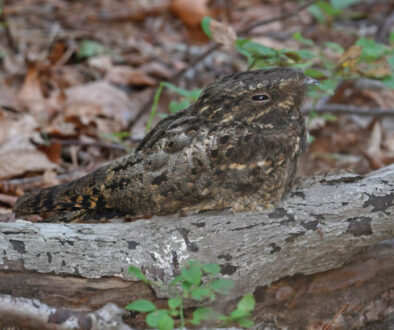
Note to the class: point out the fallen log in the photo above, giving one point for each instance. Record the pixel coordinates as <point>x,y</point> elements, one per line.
<point>323,224</point>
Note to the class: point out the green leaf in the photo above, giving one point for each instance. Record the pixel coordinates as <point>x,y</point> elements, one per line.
<point>314,73</point>
<point>240,42</point>
<point>329,117</point>
<point>371,50</point>
<point>192,95</point>
<point>328,85</point>
<point>328,9</point>
<point>137,273</point>
<point>186,286</point>
<point>175,106</point>
<point>121,135</point>
<point>201,293</point>
<point>317,13</point>
<point>237,314</point>
<point>166,323</point>
<point>310,139</point>
<point>173,312</point>
<point>389,82</point>
<point>222,285</point>
<point>305,54</point>
<point>213,268</point>
<point>142,306</point>
<point>204,314</point>
<point>298,36</point>
<point>302,66</point>
<point>153,318</point>
<point>174,303</point>
<point>245,322</point>
<point>206,21</point>
<point>176,280</point>
<point>247,303</point>
<point>336,48</point>
<point>244,307</point>
<point>390,61</point>
<point>392,38</point>
<point>256,48</point>
<point>193,274</point>
<point>328,65</point>
<point>152,114</point>
<point>89,48</point>
<point>342,4</point>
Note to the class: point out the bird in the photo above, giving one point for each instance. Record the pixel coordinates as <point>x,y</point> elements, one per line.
<point>237,147</point>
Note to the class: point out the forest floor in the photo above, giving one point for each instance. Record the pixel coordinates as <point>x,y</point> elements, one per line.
<point>77,80</point>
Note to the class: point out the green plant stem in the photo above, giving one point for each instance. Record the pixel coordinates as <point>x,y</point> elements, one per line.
<point>181,315</point>
<point>154,106</point>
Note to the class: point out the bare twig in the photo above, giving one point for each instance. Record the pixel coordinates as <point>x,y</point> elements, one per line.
<point>215,46</point>
<point>341,310</point>
<point>350,109</point>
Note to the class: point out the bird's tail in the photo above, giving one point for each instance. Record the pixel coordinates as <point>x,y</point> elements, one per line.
<point>83,193</point>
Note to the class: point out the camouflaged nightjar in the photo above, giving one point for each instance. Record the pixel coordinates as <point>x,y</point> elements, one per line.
<point>237,147</point>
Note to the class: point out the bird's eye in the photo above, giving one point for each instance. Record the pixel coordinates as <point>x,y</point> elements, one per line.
<point>260,97</point>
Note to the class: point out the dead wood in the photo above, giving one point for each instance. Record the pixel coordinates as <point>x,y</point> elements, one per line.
<point>31,314</point>
<point>319,248</point>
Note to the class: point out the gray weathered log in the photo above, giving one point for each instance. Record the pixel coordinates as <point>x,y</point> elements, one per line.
<point>320,226</point>
<point>32,314</point>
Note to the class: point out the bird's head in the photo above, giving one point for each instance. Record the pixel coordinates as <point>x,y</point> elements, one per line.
<point>270,97</point>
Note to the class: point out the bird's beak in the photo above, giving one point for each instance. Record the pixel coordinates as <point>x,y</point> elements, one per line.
<point>310,81</point>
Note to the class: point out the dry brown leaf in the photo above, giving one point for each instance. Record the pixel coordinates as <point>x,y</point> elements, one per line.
<point>125,75</point>
<point>50,178</point>
<point>100,104</point>
<point>157,70</point>
<point>13,126</point>
<point>7,97</point>
<point>350,57</point>
<point>101,63</point>
<point>389,143</point>
<point>191,12</point>
<point>222,33</point>
<point>383,98</point>
<point>19,155</point>
<point>31,93</point>
<point>61,129</point>
<point>240,19</point>
<point>378,70</point>
<point>52,151</point>
<point>374,149</point>
<point>57,52</point>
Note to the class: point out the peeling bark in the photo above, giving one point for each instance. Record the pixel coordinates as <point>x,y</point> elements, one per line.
<point>322,224</point>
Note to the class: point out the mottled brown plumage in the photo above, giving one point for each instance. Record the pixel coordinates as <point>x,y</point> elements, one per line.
<point>237,147</point>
